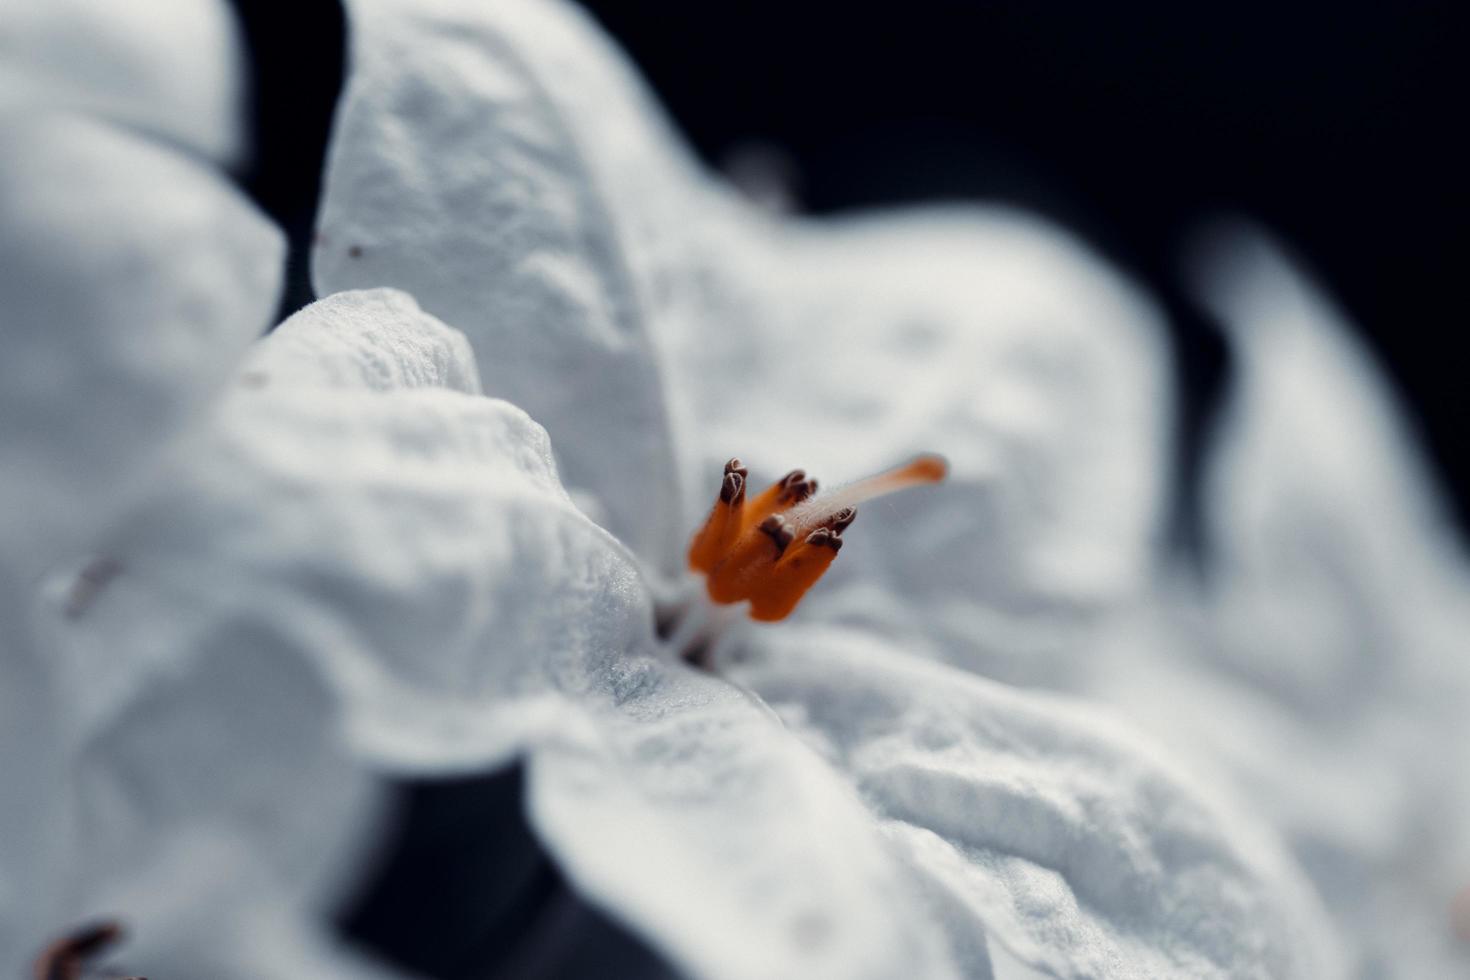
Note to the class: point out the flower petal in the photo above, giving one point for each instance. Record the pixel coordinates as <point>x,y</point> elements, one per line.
<point>132,278</point>
<point>414,540</point>
<point>172,69</point>
<point>678,802</point>
<point>1082,852</point>
<point>207,907</point>
<point>459,171</point>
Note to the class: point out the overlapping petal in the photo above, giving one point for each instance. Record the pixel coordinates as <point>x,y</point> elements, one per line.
<point>1320,668</point>
<point>456,174</point>
<point>131,279</point>
<point>1081,850</point>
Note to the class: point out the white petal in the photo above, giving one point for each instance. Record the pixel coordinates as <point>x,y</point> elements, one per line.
<point>679,803</point>
<point>1081,851</point>
<point>131,279</point>
<point>414,540</point>
<point>460,171</point>
<point>174,69</point>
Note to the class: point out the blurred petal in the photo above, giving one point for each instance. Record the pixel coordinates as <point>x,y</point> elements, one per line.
<point>414,540</point>
<point>1082,852</point>
<point>467,169</point>
<point>207,907</point>
<point>131,279</point>
<point>1323,670</point>
<point>171,69</point>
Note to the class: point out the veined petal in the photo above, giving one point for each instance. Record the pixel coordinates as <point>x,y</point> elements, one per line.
<point>1080,850</point>
<point>471,154</point>
<point>171,69</point>
<point>413,541</point>
<point>131,279</point>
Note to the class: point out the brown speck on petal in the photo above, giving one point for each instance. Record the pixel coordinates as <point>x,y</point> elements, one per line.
<point>90,580</point>
<point>1460,915</point>
<point>354,252</point>
<point>66,958</point>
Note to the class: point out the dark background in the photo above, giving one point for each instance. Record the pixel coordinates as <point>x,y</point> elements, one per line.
<point>1335,125</point>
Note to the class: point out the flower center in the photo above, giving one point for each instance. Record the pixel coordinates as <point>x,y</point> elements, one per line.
<point>771,548</point>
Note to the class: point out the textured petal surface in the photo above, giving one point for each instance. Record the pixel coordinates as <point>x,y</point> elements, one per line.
<point>1323,669</point>
<point>1082,852</point>
<point>173,69</point>
<point>412,536</point>
<point>131,279</point>
<point>679,802</point>
<point>456,174</point>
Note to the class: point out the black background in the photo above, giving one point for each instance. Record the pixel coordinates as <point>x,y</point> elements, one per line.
<point>1335,125</point>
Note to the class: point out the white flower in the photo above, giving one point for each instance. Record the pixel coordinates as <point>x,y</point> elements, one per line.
<point>354,505</point>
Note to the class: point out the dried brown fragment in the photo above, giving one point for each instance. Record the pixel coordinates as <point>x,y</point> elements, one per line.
<point>89,581</point>
<point>66,958</point>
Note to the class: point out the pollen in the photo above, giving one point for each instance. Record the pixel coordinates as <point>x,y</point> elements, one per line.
<point>771,548</point>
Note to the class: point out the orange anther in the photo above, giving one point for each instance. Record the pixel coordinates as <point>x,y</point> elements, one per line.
<point>798,570</point>
<point>753,556</point>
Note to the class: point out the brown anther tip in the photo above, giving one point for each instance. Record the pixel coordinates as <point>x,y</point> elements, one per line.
<point>823,538</point>
<point>792,478</point>
<point>841,520</point>
<point>735,466</point>
<point>733,487</point>
<point>797,492</point>
<point>775,528</point>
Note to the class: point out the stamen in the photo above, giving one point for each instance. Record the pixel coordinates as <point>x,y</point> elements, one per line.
<point>780,496</point>
<point>725,521</point>
<point>754,555</point>
<point>746,550</point>
<point>928,468</point>
<point>798,570</point>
